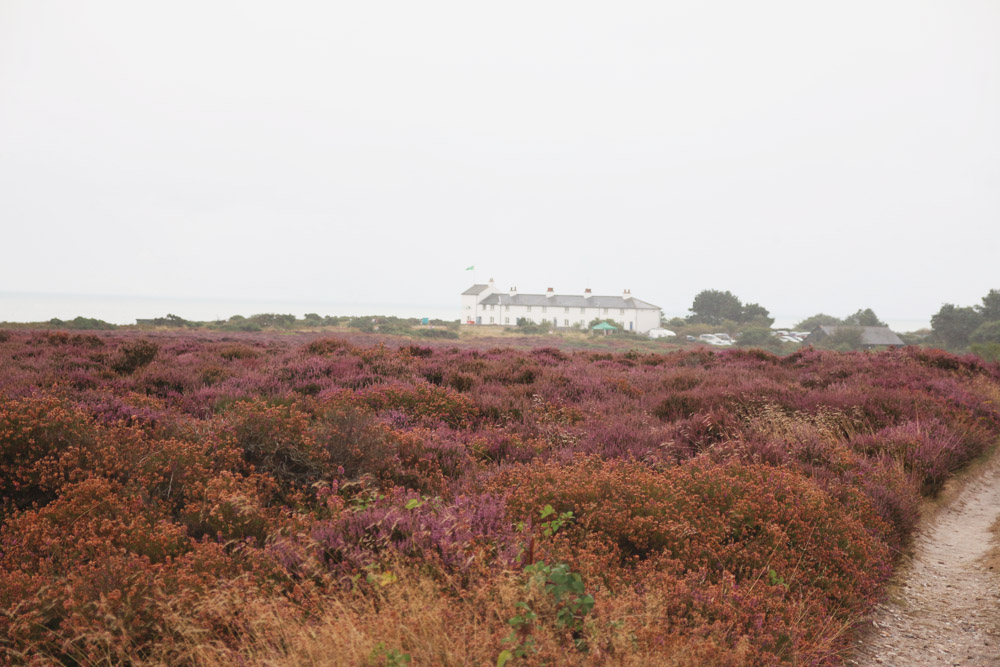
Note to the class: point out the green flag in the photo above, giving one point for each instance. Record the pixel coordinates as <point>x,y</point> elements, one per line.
<point>471,268</point>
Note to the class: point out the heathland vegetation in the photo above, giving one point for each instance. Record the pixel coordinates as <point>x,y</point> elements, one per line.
<point>197,497</point>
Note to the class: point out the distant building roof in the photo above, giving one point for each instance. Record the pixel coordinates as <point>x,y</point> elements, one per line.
<point>869,335</point>
<point>475,289</point>
<point>564,301</point>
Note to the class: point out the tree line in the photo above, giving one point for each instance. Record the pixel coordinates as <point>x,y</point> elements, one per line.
<point>958,328</point>
<point>720,308</point>
<point>974,327</point>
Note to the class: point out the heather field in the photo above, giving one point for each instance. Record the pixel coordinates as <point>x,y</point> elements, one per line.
<point>249,499</point>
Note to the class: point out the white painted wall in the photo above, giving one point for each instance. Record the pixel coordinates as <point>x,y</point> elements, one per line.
<point>648,319</point>
<point>468,313</point>
<point>470,305</point>
<point>640,320</point>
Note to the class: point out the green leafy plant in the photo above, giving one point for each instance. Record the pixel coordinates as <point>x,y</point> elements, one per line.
<point>552,526</point>
<point>565,587</point>
<point>388,657</point>
<point>567,590</point>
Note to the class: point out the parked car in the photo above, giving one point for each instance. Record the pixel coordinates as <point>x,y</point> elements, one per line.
<point>712,339</point>
<point>660,332</point>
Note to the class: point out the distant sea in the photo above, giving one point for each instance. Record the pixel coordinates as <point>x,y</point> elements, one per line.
<point>24,307</point>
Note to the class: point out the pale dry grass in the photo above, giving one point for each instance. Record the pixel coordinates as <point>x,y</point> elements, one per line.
<point>772,422</point>
<point>414,616</point>
<point>409,616</point>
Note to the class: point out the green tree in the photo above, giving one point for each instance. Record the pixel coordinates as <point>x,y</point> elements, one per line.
<point>817,320</point>
<point>366,324</point>
<point>987,332</point>
<point>713,307</point>
<point>990,310</point>
<point>273,320</point>
<point>756,313</point>
<point>864,318</point>
<point>953,325</point>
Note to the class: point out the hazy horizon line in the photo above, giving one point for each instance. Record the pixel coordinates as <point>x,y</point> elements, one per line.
<point>276,304</point>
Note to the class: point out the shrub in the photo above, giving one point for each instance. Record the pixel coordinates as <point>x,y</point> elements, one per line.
<point>440,334</point>
<point>527,327</point>
<point>987,351</point>
<point>276,440</point>
<point>759,337</point>
<point>739,521</point>
<point>45,443</point>
<point>131,356</point>
<point>327,346</point>
<point>236,351</point>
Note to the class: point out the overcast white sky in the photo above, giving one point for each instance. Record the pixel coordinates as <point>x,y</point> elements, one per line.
<point>808,156</point>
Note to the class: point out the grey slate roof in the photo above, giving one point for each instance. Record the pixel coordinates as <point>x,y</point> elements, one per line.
<point>566,300</point>
<point>869,335</point>
<point>475,289</point>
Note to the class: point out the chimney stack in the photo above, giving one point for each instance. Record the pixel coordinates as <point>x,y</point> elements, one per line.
<point>513,291</point>
<point>550,292</point>
<point>627,294</point>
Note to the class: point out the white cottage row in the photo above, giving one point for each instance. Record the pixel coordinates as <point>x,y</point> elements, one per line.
<point>484,304</point>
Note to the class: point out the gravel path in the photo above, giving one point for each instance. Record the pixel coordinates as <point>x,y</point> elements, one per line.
<point>946,606</point>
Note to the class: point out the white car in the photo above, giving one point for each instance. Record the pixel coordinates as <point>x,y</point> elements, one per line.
<point>660,332</point>
<point>712,339</point>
